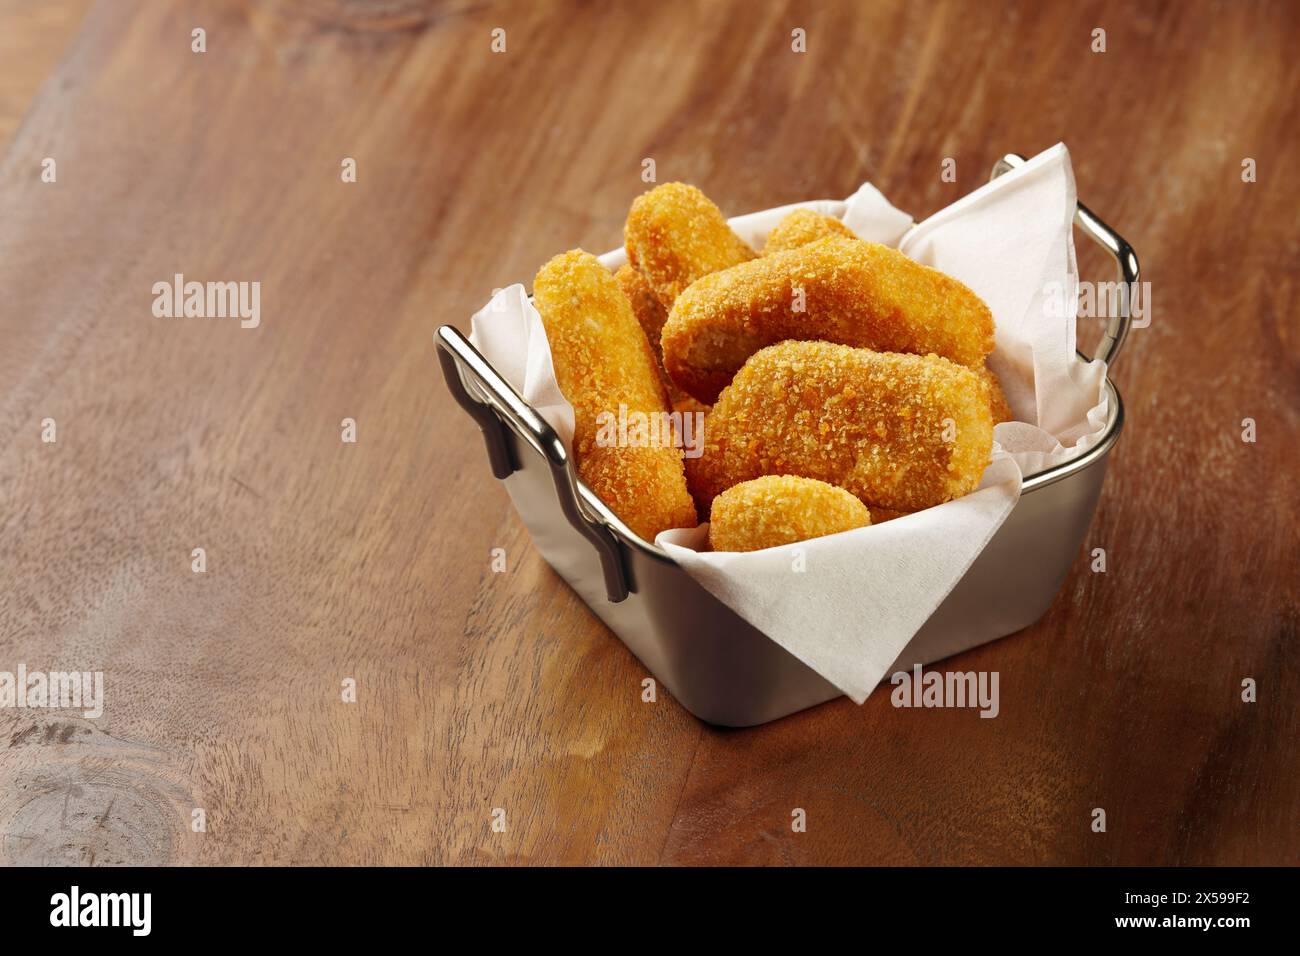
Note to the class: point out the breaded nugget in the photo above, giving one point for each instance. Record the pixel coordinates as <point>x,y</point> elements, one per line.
<point>781,509</point>
<point>647,309</point>
<point>603,361</point>
<point>839,290</point>
<point>802,227</point>
<point>903,432</point>
<point>674,235</point>
<point>651,316</point>
<point>997,399</point>
<point>685,404</point>
<point>880,515</point>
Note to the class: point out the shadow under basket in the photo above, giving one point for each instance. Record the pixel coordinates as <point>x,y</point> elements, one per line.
<point>721,668</point>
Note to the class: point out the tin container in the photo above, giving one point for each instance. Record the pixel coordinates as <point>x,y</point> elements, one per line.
<point>721,668</point>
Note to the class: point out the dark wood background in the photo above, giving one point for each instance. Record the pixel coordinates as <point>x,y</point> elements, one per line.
<point>372,561</point>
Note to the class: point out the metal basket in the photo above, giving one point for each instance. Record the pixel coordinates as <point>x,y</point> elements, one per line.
<point>721,668</point>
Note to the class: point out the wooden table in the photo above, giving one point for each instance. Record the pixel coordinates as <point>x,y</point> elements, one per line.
<point>328,561</point>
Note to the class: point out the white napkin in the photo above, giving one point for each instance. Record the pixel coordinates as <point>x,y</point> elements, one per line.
<point>847,604</point>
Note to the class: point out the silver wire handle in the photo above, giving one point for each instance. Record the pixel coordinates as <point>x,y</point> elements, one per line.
<point>1126,264</point>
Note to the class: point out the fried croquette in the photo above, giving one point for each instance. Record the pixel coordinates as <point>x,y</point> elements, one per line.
<point>781,509</point>
<point>603,361</point>
<point>651,316</point>
<point>689,406</point>
<point>997,398</point>
<point>880,515</point>
<point>802,227</point>
<point>846,291</point>
<point>674,235</point>
<point>903,432</point>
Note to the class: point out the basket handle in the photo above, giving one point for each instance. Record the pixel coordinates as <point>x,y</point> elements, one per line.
<point>1126,264</point>
<point>501,407</point>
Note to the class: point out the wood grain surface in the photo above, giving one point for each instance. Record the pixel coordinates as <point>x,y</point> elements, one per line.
<point>32,38</point>
<point>329,561</point>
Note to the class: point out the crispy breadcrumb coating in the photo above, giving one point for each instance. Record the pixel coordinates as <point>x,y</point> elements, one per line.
<point>802,227</point>
<point>997,399</point>
<point>674,235</point>
<point>880,515</point>
<point>602,360</point>
<point>647,309</point>
<point>651,316</point>
<point>903,432</point>
<point>781,509</point>
<point>839,290</point>
<point>685,404</point>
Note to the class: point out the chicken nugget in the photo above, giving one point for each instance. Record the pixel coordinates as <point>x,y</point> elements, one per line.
<point>903,432</point>
<point>689,406</point>
<point>781,509</point>
<point>880,515</point>
<point>846,291</point>
<point>606,369</point>
<point>802,227</point>
<point>674,235</point>
<point>651,315</point>
<point>997,398</point>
